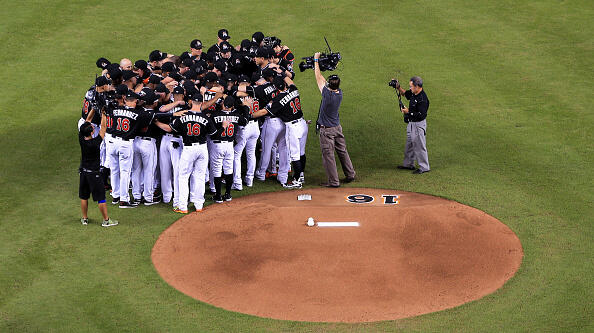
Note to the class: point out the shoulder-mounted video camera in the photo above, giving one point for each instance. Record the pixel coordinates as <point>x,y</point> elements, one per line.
<point>328,61</point>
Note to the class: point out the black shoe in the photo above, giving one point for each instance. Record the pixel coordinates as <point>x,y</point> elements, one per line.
<point>419,171</point>
<point>348,180</point>
<point>402,167</point>
<point>124,204</point>
<point>328,185</point>
<point>115,201</point>
<point>136,202</point>
<point>217,198</point>
<point>227,197</point>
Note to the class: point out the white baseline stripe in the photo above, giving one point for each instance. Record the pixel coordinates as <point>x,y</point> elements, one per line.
<point>338,224</point>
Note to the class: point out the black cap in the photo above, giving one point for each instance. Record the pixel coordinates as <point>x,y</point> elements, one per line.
<point>188,62</point>
<point>132,94</point>
<point>268,72</point>
<point>257,37</point>
<point>176,76</point>
<point>147,95</point>
<point>191,75</point>
<point>189,87</point>
<point>179,90</point>
<point>114,71</point>
<point>197,96</point>
<point>229,77</point>
<point>154,79</point>
<point>157,55</point>
<point>196,44</point>
<point>141,64</point>
<point>121,90</point>
<point>101,81</point>
<point>243,78</point>
<point>256,76</point>
<point>224,34</point>
<point>127,75</point>
<point>184,55</point>
<point>102,63</point>
<point>168,67</point>
<point>161,88</point>
<point>245,45</point>
<point>229,102</point>
<point>225,47</point>
<point>221,65</point>
<point>211,77</point>
<point>264,52</point>
<point>279,82</point>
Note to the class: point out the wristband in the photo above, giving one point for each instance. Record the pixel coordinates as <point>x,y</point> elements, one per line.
<point>316,60</point>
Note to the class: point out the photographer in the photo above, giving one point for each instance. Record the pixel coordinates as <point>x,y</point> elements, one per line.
<point>331,137</point>
<point>415,117</point>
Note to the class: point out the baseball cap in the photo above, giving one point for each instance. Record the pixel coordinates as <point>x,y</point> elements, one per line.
<point>114,71</point>
<point>132,94</point>
<point>243,78</point>
<point>154,79</point>
<point>279,82</point>
<point>264,52</point>
<point>221,65</point>
<point>211,77</point>
<point>168,67</point>
<point>191,75</point>
<point>229,101</point>
<point>245,45</point>
<point>179,90</point>
<point>102,80</point>
<point>188,62</point>
<point>141,64</point>
<point>184,55</point>
<point>121,90</point>
<point>196,44</point>
<point>230,77</point>
<point>256,76</point>
<point>102,63</point>
<point>225,47</point>
<point>127,75</point>
<point>157,55</point>
<point>176,76</point>
<point>197,96</point>
<point>268,72</point>
<point>257,37</point>
<point>160,88</point>
<point>147,95</point>
<point>224,34</point>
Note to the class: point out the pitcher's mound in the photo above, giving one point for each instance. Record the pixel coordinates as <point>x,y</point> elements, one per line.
<point>410,254</point>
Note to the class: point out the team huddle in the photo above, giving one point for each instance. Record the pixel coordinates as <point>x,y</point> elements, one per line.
<point>175,124</point>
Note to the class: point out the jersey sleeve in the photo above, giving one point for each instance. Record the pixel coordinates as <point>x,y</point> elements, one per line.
<point>176,125</point>
<point>273,108</point>
<point>210,127</point>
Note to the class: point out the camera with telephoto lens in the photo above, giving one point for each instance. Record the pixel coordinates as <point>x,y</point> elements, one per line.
<point>327,61</point>
<point>394,83</point>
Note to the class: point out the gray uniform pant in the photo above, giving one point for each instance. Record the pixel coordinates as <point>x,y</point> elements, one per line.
<point>331,139</point>
<point>416,146</point>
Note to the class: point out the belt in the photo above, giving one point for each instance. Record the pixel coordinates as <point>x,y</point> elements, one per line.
<point>173,135</point>
<point>194,144</point>
<point>253,121</point>
<point>294,121</point>
<point>120,138</point>
<point>87,170</point>
<point>221,141</point>
<point>322,126</point>
<point>148,138</point>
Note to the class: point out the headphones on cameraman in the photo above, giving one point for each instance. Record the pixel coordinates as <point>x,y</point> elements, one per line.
<point>333,77</point>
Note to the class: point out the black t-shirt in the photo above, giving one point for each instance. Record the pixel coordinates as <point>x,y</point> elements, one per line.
<point>235,119</point>
<point>90,158</point>
<point>128,121</point>
<point>286,105</point>
<point>418,105</point>
<point>329,106</point>
<point>194,127</point>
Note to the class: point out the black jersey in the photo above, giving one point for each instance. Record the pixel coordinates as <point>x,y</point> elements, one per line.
<point>286,105</point>
<point>193,127</point>
<point>151,130</point>
<point>210,94</point>
<point>286,60</point>
<point>128,121</point>
<point>264,93</point>
<point>89,102</point>
<point>235,119</point>
<point>90,157</point>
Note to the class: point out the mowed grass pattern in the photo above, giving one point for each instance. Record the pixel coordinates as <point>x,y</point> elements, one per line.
<point>509,132</point>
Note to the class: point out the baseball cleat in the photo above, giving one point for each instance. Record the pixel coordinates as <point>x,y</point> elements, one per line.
<point>124,204</point>
<point>270,174</point>
<point>181,211</point>
<point>115,201</point>
<point>293,185</point>
<point>402,167</point>
<point>136,202</point>
<point>227,197</point>
<point>217,198</point>
<point>84,220</point>
<point>236,187</point>
<point>153,202</point>
<point>419,171</point>
<point>109,223</point>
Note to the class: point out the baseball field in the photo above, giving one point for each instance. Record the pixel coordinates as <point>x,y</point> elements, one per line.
<point>510,132</point>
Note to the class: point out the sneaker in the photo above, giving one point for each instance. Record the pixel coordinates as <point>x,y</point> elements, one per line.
<point>217,198</point>
<point>295,184</point>
<point>302,179</point>
<point>136,202</point>
<point>84,220</point>
<point>237,187</point>
<point>248,182</point>
<point>227,197</point>
<point>271,174</point>
<point>115,201</point>
<point>153,202</point>
<point>181,211</point>
<point>124,204</point>
<point>109,223</point>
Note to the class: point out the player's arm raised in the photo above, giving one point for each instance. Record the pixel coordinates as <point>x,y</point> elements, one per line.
<point>319,78</point>
<point>103,127</point>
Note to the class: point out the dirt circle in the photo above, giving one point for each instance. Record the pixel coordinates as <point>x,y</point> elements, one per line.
<point>411,254</point>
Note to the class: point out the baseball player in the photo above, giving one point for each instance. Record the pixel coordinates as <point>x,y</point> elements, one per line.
<point>226,122</point>
<point>194,126</point>
<point>246,138</point>
<point>127,121</point>
<point>287,106</point>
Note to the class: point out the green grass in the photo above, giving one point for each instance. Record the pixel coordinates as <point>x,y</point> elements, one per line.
<point>509,132</point>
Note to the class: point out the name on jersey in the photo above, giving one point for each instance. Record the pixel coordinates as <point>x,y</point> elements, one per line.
<point>289,97</point>
<point>268,90</point>
<point>231,119</point>
<point>125,113</point>
<point>195,118</point>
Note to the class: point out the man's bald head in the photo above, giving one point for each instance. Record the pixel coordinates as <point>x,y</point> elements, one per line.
<point>126,64</point>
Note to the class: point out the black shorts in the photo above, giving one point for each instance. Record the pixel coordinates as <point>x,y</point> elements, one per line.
<point>91,182</point>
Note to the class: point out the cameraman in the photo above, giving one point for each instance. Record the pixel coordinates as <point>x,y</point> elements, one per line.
<point>331,137</point>
<point>415,115</point>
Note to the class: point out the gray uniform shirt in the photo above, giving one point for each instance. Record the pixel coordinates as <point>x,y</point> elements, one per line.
<point>328,115</point>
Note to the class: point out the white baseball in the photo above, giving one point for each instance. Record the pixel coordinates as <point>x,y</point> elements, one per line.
<point>310,222</point>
